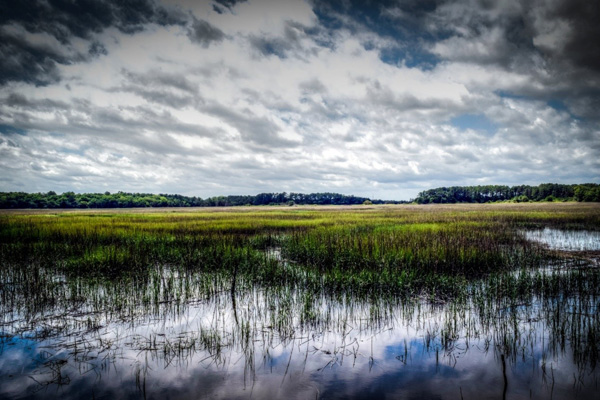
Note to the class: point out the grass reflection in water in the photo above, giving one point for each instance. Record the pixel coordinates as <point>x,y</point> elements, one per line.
<point>396,301</point>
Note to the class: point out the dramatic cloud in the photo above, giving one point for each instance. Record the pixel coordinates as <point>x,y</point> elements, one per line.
<point>204,33</point>
<point>380,99</point>
<point>38,35</point>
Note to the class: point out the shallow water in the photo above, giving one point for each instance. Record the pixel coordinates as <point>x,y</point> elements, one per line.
<point>565,240</point>
<point>287,343</point>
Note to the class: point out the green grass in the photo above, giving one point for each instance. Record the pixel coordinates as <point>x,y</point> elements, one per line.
<point>385,247</point>
<point>294,269</point>
<point>122,262</point>
<point>443,253</point>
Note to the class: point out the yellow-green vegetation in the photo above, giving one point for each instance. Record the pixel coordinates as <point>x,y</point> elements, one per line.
<point>399,250</point>
<point>69,271</point>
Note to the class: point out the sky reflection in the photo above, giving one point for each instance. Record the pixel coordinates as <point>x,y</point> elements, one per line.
<point>567,240</point>
<point>203,352</point>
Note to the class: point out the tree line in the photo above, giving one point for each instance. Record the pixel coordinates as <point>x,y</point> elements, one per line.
<point>587,192</point>
<point>127,200</point>
<point>522,193</point>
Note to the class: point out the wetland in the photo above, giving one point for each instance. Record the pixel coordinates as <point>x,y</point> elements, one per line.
<point>436,301</point>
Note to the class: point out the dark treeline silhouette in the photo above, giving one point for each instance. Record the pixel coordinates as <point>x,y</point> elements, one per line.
<point>126,200</point>
<point>522,193</point>
<point>454,194</point>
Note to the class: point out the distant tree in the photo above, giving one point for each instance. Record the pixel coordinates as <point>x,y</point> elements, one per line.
<point>124,200</point>
<point>522,199</point>
<point>491,193</point>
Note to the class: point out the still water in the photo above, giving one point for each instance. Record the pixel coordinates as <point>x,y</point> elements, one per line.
<point>103,342</point>
<point>258,350</point>
<point>566,240</point>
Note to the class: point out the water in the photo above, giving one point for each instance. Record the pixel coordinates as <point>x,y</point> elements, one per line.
<point>566,240</point>
<point>287,343</point>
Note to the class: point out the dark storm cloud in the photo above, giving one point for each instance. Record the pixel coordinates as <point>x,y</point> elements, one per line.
<point>484,33</point>
<point>581,47</point>
<point>97,49</point>
<point>551,42</point>
<point>204,33</point>
<point>63,20</point>
<point>500,34</point>
<point>22,61</point>
<point>221,5</point>
<point>402,24</point>
<point>576,64</point>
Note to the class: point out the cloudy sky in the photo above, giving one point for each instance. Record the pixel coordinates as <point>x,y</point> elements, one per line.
<point>382,99</point>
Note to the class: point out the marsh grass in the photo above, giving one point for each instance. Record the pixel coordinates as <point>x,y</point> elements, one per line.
<point>274,277</point>
<point>370,252</point>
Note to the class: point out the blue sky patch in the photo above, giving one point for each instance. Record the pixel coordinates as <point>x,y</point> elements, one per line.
<point>11,130</point>
<point>476,122</point>
<point>557,105</point>
<point>78,151</point>
<point>408,31</point>
<point>413,58</point>
<point>509,95</point>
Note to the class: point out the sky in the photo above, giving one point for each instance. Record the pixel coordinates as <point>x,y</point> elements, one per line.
<point>381,99</point>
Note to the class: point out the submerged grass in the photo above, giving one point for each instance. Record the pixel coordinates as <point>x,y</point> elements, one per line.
<point>395,249</point>
<point>106,266</point>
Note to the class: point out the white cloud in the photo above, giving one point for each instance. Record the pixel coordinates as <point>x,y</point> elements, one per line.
<point>161,113</point>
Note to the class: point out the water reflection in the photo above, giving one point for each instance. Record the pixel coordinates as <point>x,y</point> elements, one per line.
<point>565,240</point>
<point>290,343</point>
